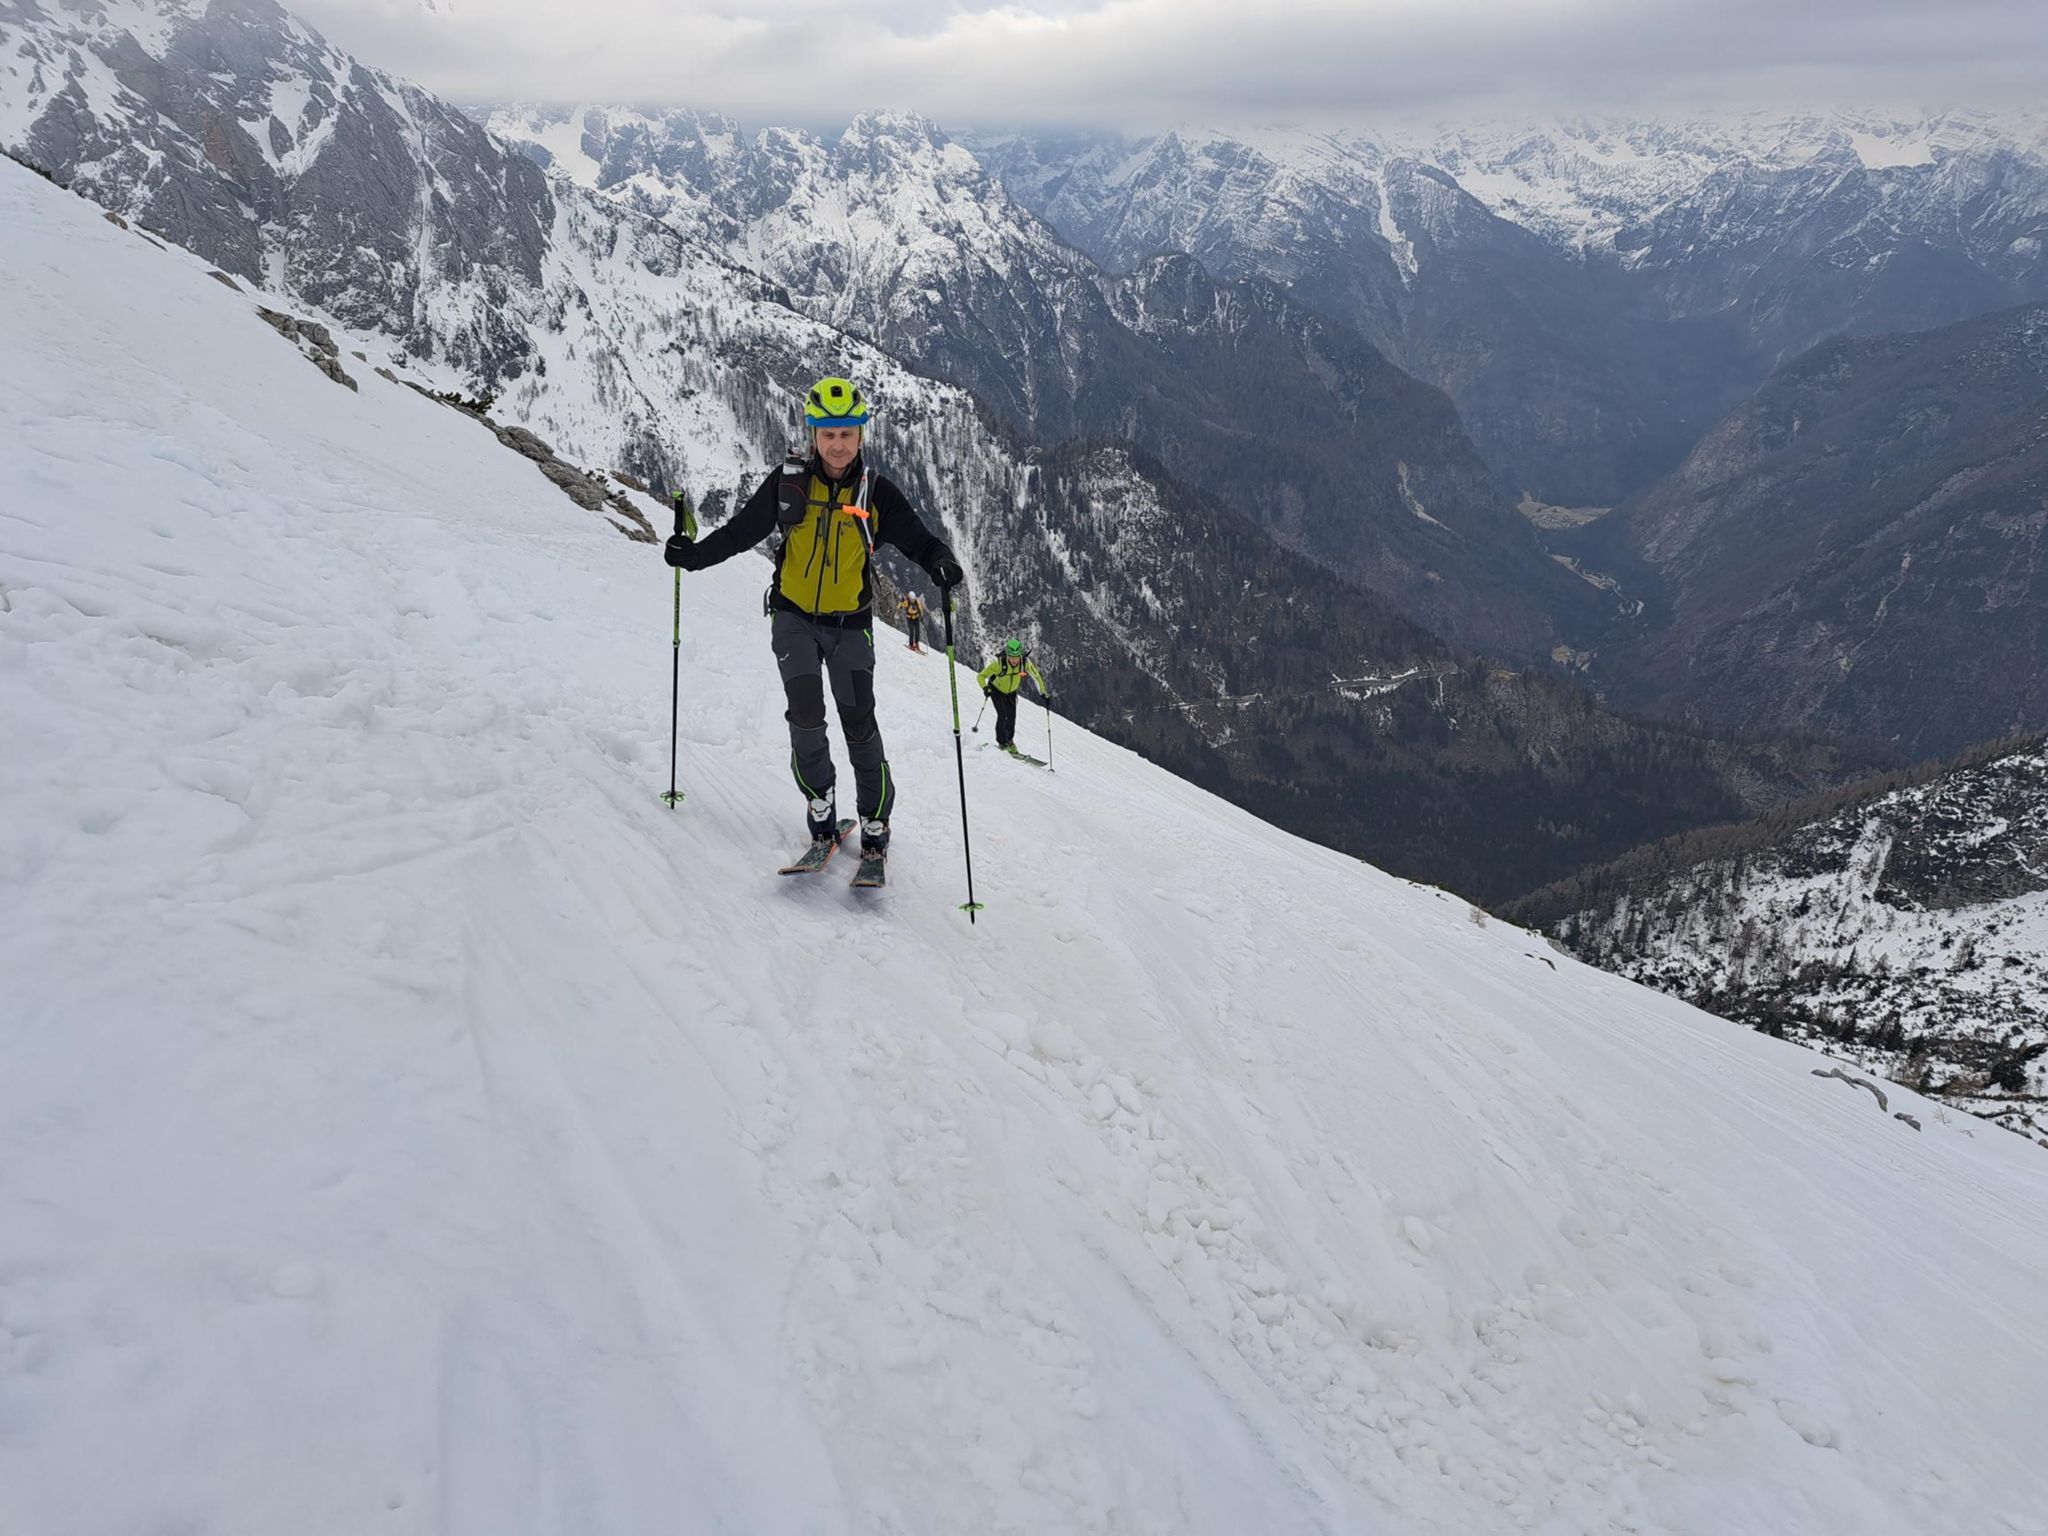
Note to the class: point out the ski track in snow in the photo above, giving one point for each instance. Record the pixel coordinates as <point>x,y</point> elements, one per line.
<point>412,1124</point>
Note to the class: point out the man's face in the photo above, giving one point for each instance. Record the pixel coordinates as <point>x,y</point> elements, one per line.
<point>837,446</point>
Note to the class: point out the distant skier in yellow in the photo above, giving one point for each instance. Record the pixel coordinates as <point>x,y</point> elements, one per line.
<point>1000,680</point>
<point>913,621</point>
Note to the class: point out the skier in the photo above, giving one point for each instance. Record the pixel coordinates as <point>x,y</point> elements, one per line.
<point>832,510</point>
<point>1000,680</point>
<point>913,619</point>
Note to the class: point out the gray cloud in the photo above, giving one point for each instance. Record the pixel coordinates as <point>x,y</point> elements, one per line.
<point>1138,64</point>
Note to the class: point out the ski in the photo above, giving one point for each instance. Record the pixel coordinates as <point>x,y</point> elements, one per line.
<point>818,855</point>
<point>1022,757</point>
<point>872,874</point>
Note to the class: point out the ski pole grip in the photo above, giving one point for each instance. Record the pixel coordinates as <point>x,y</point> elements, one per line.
<point>686,519</point>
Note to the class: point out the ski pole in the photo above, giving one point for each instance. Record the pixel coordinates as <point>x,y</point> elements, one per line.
<point>983,711</point>
<point>1048,732</point>
<point>686,521</point>
<point>959,756</point>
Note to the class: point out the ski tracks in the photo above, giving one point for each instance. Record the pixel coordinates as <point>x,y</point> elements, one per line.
<point>892,1285</point>
<point>661,1369</point>
<point>1423,1376</point>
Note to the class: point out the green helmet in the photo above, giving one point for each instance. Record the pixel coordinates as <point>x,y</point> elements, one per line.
<point>1014,649</point>
<point>835,403</point>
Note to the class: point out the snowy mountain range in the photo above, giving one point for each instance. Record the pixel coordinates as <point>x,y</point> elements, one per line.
<point>1591,294</point>
<point>411,1124</point>
<point>1902,928</point>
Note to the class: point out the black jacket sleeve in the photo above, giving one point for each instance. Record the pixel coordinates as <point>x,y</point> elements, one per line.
<point>745,528</point>
<point>896,523</point>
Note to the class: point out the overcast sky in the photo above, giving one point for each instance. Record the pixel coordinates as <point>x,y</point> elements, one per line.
<point>1143,64</point>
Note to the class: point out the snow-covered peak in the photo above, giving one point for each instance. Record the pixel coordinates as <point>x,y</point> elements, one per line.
<point>603,147</point>
<point>553,136</point>
<point>158,27</point>
<point>1580,181</point>
<point>151,23</point>
<point>895,124</point>
<point>249,59</point>
<point>710,163</point>
<point>902,144</point>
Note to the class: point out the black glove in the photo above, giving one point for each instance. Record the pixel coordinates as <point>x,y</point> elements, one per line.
<point>681,553</point>
<point>947,573</point>
<point>989,692</point>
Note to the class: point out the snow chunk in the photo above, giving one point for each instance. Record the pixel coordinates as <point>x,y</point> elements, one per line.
<point>1879,152</point>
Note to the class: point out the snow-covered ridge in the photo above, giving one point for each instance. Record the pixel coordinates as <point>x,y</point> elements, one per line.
<point>1587,183</point>
<point>870,230</point>
<point>1908,934</point>
<point>1580,183</point>
<point>463,1141</point>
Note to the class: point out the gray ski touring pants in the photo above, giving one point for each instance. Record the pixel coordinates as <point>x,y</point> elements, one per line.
<point>806,653</point>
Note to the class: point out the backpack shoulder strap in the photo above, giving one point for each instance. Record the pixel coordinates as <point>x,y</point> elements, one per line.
<point>860,510</point>
<point>792,490</point>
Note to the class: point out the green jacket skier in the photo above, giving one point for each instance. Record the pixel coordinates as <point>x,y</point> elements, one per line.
<point>1001,679</point>
<point>832,511</point>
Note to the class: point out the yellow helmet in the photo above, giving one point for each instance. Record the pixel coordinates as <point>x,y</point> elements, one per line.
<point>835,403</point>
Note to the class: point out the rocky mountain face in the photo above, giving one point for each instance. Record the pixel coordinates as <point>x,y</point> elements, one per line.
<point>1289,416</point>
<point>1591,294</point>
<point>899,235</point>
<point>1171,620</point>
<point>240,134</point>
<point>1903,927</point>
<point>1862,548</point>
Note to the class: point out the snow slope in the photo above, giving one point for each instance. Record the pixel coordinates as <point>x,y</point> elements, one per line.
<point>1905,931</point>
<point>411,1124</point>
